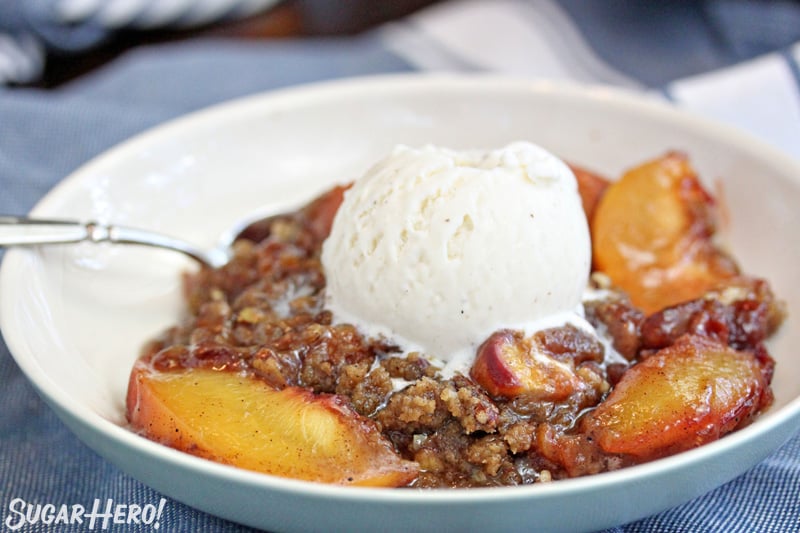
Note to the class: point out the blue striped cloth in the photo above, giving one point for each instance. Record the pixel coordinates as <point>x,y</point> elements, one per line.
<point>683,50</point>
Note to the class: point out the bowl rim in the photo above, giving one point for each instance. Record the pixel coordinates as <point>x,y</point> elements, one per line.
<point>289,97</point>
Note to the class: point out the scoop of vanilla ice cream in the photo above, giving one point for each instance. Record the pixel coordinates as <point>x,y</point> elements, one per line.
<point>436,249</point>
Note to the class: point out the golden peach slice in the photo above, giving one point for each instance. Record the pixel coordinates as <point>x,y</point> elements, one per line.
<point>688,394</point>
<point>241,421</point>
<point>651,234</point>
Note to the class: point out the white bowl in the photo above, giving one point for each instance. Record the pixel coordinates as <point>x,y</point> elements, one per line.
<point>75,317</point>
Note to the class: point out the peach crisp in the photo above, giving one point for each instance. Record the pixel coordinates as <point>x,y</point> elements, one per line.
<point>667,353</point>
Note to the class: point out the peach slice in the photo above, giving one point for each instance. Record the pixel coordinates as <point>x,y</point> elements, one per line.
<point>688,394</point>
<point>508,365</point>
<point>591,187</point>
<point>651,235</point>
<point>241,421</point>
<point>320,212</point>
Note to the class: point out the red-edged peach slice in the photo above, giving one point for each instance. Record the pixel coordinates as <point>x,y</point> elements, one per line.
<point>508,365</point>
<point>242,421</point>
<point>591,187</point>
<point>320,212</point>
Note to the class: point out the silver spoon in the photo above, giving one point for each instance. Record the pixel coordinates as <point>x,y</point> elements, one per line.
<point>23,231</point>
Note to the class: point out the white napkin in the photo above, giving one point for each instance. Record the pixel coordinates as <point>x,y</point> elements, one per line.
<point>761,96</point>
<point>540,40</point>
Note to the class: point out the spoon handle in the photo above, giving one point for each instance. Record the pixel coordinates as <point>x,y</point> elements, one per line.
<point>23,231</point>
